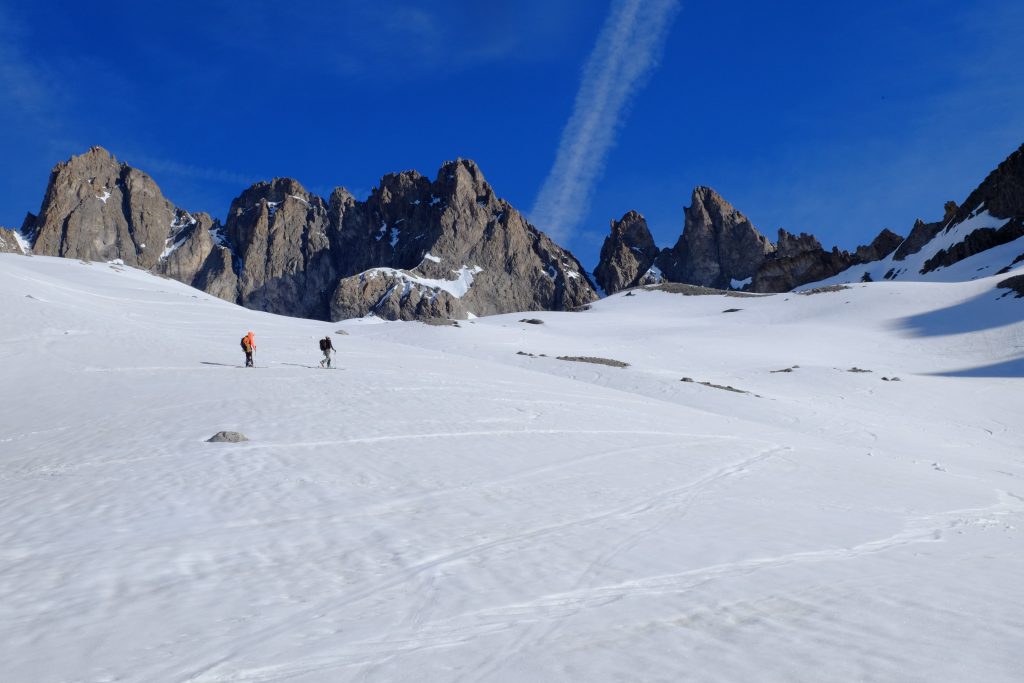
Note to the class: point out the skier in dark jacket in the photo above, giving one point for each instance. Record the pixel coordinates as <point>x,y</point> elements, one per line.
<point>326,346</point>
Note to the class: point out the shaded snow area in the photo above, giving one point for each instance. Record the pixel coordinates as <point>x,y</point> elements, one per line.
<point>740,284</point>
<point>444,508</point>
<point>984,264</point>
<point>456,287</point>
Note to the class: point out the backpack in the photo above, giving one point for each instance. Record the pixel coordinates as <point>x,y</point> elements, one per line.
<point>323,344</point>
<point>245,344</point>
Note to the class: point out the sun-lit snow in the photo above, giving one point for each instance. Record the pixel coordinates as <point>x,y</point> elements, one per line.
<point>105,196</point>
<point>23,243</point>
<point>430,257</point>
<point>457,287</point>
<point>456,503</point>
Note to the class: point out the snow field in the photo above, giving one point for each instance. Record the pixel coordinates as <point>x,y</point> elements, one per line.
<point>442,508</point>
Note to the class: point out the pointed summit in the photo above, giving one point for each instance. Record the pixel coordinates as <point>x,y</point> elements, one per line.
<point>719,244</point>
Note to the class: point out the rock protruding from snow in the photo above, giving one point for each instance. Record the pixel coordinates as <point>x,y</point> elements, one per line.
<point>884,244</point>
<point>1000,198</point>
<point>287,251</point>
<point>798,260</point>
<point>281,236</point>
<point>99,209</point>
<point>429,229</point>
<point>718,245</point>
<point>626,255</point>
<point>193,253</point>
<point>394,295</point>
<point>9,243</point>
<point>1001,193</point>
<point>227,437</point>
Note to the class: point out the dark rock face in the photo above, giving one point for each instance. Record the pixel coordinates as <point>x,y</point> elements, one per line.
<point>718,245</point>
<point>797,261</point>
<point>977,241</point>
<point>1001,194</point>
<point>626,255</point>
<point>921,234</point>
<point>280,235</point>
<point>9,242</point>
<point>195,254</point>
<point>1014,284</point>
<point>287,251</point>
<point>884,244</point>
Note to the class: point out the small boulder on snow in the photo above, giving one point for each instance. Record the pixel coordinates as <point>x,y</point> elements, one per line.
<point>227,437</point>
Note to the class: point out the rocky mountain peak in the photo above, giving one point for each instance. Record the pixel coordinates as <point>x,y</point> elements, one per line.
<point>1001,193</point>
<point>718,245</point>
<point>626,255</point>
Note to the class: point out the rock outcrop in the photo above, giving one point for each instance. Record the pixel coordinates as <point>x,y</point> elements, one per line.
<point>626,255</point>
<point>98,209</point>
<point>395,295</point>
<point>9,242</point>
<point>719,245</point>
<point>280,234</point>
<point>720,248</point>
<point>884,244</point>
<point>798,260</point>
<point>441,248</point>
<point>1001,195</point>
<point>438,231</point>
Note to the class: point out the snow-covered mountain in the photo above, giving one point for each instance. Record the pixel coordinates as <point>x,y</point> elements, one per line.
<point>821,486</point>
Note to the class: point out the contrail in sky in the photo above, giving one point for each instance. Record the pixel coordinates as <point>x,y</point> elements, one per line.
<point>626,50</point>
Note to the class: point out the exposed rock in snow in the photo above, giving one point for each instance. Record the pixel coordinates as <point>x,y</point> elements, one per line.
<point>227,437</point>
<point>11,242</point>
<point>627,254</point>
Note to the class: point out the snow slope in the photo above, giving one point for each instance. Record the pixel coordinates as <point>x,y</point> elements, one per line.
<point>444,508</point>
<point>983,264</point>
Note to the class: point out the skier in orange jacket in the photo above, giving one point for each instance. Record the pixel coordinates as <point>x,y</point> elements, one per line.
<point>249,345</point>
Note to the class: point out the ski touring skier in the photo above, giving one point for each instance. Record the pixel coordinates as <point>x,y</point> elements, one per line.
<point>249,345</point>
<point>326,346</point>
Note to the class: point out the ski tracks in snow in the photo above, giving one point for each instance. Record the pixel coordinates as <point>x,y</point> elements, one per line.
<point>423,633</point>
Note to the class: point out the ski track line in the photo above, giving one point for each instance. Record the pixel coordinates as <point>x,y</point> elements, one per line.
<point>405,575</point>
<point>692,492</point>
<point>500,432</point>
<point>559,607</point>
<point>382,508</point>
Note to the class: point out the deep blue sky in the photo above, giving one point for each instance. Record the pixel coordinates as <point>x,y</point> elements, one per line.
<point>833,118</point>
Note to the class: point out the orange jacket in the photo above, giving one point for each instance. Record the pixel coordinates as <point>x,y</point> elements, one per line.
<point>252,340</point>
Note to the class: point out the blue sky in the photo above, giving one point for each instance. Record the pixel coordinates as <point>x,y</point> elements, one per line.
<point>834,118</point>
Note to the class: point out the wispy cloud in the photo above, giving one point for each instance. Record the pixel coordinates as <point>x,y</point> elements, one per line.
<point>153,166</point>
<point>627,48</point>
